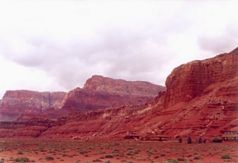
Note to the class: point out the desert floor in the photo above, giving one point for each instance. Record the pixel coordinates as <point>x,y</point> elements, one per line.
<point>76,151</point>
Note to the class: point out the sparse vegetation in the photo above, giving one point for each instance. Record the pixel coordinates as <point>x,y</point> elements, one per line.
<point>20,153</point>
<point>22,160</point>
<point>181,159</point>
<point>108,156</point>
<point>49,158</point>
<point>107,161</point>
<point>226,157</point>
<point>123,151</point>
<point>196,158</point>
<point>172,161</point>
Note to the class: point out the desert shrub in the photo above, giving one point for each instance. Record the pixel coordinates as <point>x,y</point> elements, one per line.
<point>226,157</point>
<point>22,159</point>
<point>217,140</point>
<point>196,158</point>
<point>49,158</point>
<point>181,159</point>
<point>107,161</point>
<point>19,152</point>
<point>172,161</point>
<point>108,156</point>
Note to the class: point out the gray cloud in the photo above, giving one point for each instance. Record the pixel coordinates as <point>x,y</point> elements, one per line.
<point>115,53</point>
<point>143,41</point>
<point>224,42</point>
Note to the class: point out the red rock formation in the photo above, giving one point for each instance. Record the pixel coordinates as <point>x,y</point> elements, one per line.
<point>32,100</point>
<point>98,93</point>
<point>83,99</point>
<point>201,100</point>
<point>122,87</point>
<point>189,80</point>
<point>18,102</point>
<point>197,105</point>
<point>102,92</point>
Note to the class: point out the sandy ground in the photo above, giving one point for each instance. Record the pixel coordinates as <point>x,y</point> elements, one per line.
<point>74,151</point>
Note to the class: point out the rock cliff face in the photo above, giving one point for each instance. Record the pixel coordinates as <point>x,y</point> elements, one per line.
<point>102,92</point>
<point>99,92</point>
<point>201,100</point>
<point>190,80</point>
<point>82,99</point>
<point>122,87</point>
<point>31,101</point>
<point>18,102</point>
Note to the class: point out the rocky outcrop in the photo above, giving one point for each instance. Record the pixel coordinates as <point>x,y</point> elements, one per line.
<point>101,92</point>
<point>31,101</point>
<point>201,100</point>
<point>98,93</point>
<point>17,102</point>
<point>190,80</point>
<point>83,99</point>
<point>122,87</point>
<point>196,105</point>
<point>31,128</point>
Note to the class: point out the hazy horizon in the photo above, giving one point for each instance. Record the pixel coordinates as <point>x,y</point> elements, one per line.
<point>57,45</point>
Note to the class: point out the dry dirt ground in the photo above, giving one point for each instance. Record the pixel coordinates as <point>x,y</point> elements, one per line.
<point>120,151</point>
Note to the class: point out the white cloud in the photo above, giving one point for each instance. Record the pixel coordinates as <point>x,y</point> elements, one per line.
<point>61,43</point>
<point>15,76</point>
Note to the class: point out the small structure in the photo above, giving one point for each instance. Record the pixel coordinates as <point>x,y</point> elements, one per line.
<point>230,136</point>
<point>189,140</point>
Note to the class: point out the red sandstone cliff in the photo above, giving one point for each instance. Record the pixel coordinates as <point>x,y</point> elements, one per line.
<point>201,100</point>
<point>102,92</point>
<point>190,80</point>
<point>98,93</point>
<point>18,102</point>
<point>32,100</point>
<point>122,87</point>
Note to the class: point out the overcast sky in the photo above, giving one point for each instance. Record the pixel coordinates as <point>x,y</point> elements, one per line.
<point>57,45</point>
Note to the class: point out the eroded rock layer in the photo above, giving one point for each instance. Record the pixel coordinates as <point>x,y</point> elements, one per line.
<point>122,87</point>
<point>102,92</point>
<point>18,102</point>
<point>197,105</point>
<point>201,100</point>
